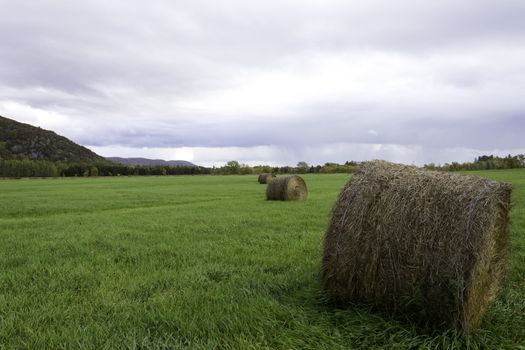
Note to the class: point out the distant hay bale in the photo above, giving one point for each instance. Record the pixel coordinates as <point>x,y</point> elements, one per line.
<point>418,242</point>
<point>286,188</point>
<point>265,177</point>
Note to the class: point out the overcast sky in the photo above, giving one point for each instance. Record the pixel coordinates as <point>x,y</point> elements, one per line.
<point>270,82</point>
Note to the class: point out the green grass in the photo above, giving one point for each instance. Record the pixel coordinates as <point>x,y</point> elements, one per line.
<point>199,263</point>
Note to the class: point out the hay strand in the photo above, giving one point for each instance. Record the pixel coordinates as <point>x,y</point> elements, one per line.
<point>287,188</point>
<point>418,242</point>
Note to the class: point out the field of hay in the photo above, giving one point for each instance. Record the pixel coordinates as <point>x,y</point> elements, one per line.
<point>200,262</point>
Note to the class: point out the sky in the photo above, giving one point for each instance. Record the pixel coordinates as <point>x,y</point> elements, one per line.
<point>270,82</point>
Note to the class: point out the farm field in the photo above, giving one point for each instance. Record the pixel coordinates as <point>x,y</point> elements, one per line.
<point>200,262</point>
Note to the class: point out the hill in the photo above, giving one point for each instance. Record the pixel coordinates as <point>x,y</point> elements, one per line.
<point>150,162</point>
<point>24,141</point>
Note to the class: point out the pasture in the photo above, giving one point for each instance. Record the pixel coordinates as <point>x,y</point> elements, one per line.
<point>200,262</point>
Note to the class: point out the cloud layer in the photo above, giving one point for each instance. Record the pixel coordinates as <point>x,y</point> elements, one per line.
<point>270,82</point>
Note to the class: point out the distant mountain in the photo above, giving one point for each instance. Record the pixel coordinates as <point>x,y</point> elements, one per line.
<point>149,162</point>
<point>24,141</point>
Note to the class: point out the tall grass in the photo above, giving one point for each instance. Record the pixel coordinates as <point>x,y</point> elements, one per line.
<point>199,262</point>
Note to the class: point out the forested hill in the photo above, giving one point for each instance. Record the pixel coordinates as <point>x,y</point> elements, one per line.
<point>24,141</point>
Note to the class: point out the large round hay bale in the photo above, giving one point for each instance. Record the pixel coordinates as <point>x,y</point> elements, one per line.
<point>286,188</point>
<point>265,177</point>
<point>419,242</point>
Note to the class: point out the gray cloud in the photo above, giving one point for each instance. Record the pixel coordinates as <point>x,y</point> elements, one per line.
<point>284,74</point>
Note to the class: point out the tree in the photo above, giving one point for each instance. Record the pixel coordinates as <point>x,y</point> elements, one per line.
<point>4,153</point>
<point>232,167</point>
<point>302,167</point>
<point>245,169</point>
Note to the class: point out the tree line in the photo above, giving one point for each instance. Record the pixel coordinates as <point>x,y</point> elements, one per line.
<point>233,167</point>
<point>41,168</point>
<point>16,168</point>
<point>484,162</point>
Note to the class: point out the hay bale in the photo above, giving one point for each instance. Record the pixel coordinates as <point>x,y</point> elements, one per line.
<point>265,177</point>
<point>418,242</point>
<point>286,188</point>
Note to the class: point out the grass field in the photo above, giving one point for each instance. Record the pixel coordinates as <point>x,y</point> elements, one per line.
<point>199,263</point>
